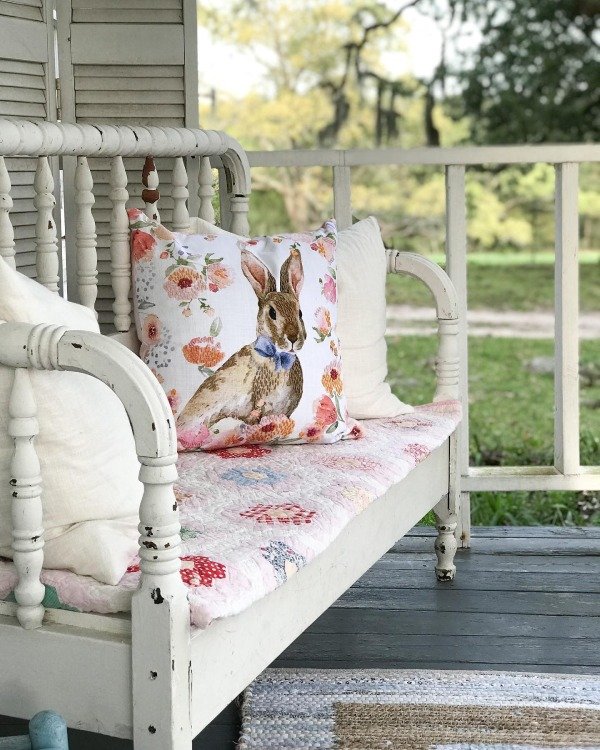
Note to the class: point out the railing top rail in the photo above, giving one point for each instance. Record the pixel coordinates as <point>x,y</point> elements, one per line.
<point>464,155</point>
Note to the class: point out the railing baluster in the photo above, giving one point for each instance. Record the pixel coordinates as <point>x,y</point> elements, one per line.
<point>180,193</point>
<point>224,204</point>
<point>120,262</point>
<point>206,190</point>
<point>85,235</point>
<point>456,266</point>
<point>46,259</point>
<point>26,483</point>
<point>566,378</point>
<point>7,235</point>
<point>239,215</point>
<point>342,200</point>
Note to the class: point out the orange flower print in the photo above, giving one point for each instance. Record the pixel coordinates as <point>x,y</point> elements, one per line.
<point>173,399</point>
<point>184,284</point>
<point>151,330</point>
<point>204,351</point>
<point>219,276</point>
<point>325,411</point>
<point>325,246</point>
<point>269,428</point>
<point>332,378</point>
<point>163,233</point>
<point>334,348</point>
<point>142,245</point>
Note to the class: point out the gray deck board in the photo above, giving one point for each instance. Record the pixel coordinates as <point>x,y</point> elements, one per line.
<point>525,599</point>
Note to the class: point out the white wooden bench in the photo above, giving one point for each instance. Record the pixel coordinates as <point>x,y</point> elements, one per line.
<point>149,675</point>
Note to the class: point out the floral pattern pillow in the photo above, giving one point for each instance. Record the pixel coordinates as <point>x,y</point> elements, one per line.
<point>241,334</point>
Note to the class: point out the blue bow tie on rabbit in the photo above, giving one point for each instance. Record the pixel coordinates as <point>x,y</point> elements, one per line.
<point>264,377</point>
<point>282,360</point>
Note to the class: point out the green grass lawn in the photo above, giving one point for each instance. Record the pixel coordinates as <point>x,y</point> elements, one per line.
<point>511,414</point>
<point>507,286</point>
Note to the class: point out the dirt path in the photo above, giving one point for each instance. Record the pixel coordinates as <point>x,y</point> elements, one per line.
<point>406,320</point>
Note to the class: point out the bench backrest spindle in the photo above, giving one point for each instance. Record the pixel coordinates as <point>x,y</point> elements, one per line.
<point>85,235</point>
<point>47,261</point>
<point>180,193</point>
<point>120,263</point>
<point>7,234</point>
<point>206,191</point>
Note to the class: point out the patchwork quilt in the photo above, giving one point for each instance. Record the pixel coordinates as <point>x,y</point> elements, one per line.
<point>253,515</point>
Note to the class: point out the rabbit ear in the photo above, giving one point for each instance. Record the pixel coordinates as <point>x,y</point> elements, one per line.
<point>292,274</point>
<point>258,274</point>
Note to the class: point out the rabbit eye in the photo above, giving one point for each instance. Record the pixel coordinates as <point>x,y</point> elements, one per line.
<point>272,313</point>
<point>300,314</point>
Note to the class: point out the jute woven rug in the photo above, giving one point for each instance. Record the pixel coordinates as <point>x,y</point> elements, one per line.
<point>420,710</point>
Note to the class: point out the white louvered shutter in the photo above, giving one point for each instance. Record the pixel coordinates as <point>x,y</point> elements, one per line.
<point>27,90</point>
<point>125,61</point>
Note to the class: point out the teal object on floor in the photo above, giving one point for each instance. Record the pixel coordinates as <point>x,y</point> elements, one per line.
<point>47,731</point>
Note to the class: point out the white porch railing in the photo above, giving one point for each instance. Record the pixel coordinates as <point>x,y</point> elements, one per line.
<point>567,472</point>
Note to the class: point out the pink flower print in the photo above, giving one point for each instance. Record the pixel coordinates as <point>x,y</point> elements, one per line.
<point>151,330</point>
<point>192,437</point>
<point>164,255</point>
<point>325,246</point>
<point>313,433</point>
<point>197,570</point>
<point>174,400</point>
<point>243,451</point>
<point>133,214</point>
<point>323,324</point>
<point>357,430</point>
<point>185,283</point>
<point>417,451</point>
<point>329,290</point>
<point>219,276</point>
<point>284,513</point>
<point>325,411</point>
<point>142,245</point>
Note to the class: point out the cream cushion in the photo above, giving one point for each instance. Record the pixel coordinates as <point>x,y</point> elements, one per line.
<point>90,490</point>
<point>361,321</point>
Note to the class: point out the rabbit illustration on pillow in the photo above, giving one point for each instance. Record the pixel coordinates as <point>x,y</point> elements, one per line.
<point>264,377</point>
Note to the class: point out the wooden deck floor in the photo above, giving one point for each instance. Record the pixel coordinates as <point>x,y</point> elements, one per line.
<point>524,599</point>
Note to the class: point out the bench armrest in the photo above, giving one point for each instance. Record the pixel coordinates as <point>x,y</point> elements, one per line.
<point>446,303</point>
<point>49,347</point>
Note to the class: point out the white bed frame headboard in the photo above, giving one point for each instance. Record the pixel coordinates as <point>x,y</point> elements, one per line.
<point>43,140</point>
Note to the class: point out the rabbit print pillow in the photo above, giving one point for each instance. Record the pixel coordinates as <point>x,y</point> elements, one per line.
<point>242,334</point>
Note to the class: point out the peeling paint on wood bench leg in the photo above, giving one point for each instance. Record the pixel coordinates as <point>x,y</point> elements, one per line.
<point>445,543</point>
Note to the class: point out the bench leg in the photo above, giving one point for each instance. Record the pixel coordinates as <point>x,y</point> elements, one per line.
<point>445,543</point>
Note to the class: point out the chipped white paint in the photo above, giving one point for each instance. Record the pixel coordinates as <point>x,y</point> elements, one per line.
<point>46,246</point>
<point>26,484</point>
<point>85,235</point>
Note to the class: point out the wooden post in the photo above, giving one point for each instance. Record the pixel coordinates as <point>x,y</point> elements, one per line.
<point>45,229</point>
<point>7,235</point>
<point>566,301</point>
<point>120,263</point>
<point>85,235</point>
<point>26,483</point>
<point>456,260</point>
<point>238,205</point>
<point>342,200</point>
<point>160,619</point>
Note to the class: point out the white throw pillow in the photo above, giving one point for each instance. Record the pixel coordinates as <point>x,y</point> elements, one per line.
<point>90,488</point>
<point>361,321</point>
<point>242,334</point>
